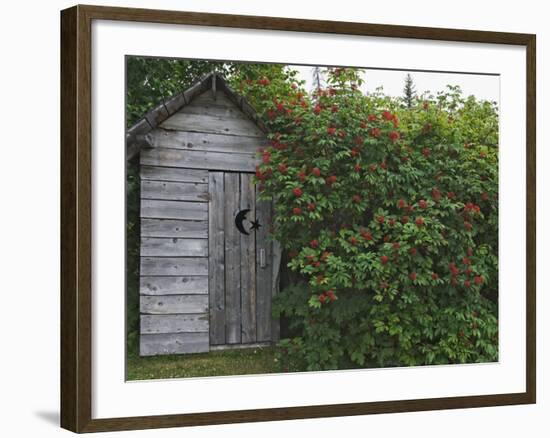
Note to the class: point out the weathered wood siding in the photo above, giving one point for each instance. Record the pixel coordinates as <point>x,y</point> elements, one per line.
<point>248,262</point>
<point>174,261</point>
<point>202,282</point>
<point>264,275</point>
<point>207,134</point>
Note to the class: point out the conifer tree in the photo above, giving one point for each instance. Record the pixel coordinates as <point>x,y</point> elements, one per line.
<point>409,91</point>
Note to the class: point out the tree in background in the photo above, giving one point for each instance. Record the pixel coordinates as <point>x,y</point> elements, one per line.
<point>151,80</point>
<point>263,84</point>
<point>318,80</point>
<point>409,92</point>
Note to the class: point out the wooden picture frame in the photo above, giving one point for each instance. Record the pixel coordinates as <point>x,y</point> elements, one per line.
<point>76,218</point>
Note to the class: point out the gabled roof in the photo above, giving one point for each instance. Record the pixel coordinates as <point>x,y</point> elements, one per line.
<point>137,135</point>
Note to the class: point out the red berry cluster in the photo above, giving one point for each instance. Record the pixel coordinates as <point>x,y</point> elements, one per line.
<point>327,297</point>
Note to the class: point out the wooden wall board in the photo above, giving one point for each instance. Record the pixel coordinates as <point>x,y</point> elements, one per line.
<point>173,285</point>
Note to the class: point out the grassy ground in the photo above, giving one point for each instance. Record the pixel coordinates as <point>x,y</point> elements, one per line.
<point>216,363</point>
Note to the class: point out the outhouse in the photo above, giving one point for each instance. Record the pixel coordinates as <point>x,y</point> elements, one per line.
<point>208,268</point>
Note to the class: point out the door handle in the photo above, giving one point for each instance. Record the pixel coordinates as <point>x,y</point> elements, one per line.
<point>262,258</point>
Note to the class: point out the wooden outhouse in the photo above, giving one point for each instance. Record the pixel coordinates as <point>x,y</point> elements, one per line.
<point>208,269</point>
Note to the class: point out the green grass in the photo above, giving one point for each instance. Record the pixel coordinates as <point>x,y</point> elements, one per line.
<point>215,363</point>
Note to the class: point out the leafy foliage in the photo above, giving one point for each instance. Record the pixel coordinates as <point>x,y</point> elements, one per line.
<point>389,218</point>
<point>132,255</point>
<point>150,80</point>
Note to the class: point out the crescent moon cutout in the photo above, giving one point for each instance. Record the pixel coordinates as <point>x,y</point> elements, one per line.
<point>241,216</point>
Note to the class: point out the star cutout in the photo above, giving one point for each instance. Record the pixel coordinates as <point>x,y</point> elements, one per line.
<point>255,225</point>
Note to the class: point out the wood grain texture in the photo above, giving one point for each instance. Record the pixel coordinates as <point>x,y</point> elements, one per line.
<point>233,347</point>
<point>308,26</point>
<point>183,323</point>
<point>199,141</point>
<point>248,262</point>
<point>173,247</point>
<point>195,90</point>
<point>174,266</point>
<point>199,159</point>
<point>275,278</point>
<point>174,285</point>
<point>216,261</point>
<point>174,103</point>
<point>175,191</point>
<point>174,228</point>
<point>169,304</point>
<point>72,406</point>
<point>155,209</point>
<point>76,171</point>
<point>212,124</point>
<point>173,343</point>
<point>172,173</point>
<point>206,105</point>
<point>263,274</point>
<point>157,115</point>
<point>232,260</point>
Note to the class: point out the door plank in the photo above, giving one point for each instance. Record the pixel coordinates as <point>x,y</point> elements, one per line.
<point>263,273</point>
<point>232,261</point>
<point>216,257</point>
<point>248,262</point>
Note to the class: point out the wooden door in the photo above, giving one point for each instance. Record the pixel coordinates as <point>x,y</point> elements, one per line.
<point>240,261</point>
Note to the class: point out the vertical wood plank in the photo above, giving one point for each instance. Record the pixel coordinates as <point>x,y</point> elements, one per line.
<point>248,262</point>
<point>216,255</point>
<point>232,261</point>
<point>277,254</point>
<point>264,272</point>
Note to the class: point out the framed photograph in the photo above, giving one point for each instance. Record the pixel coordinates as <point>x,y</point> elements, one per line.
<point>268,219</point>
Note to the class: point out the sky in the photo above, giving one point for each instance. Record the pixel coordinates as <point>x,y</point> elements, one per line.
<point>483,87</point>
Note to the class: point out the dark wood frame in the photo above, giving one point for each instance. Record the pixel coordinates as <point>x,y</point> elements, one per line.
<point>76,238</point>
